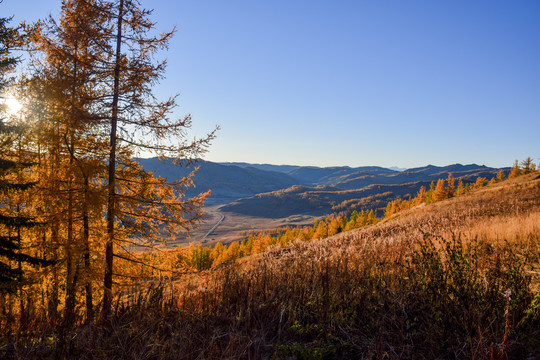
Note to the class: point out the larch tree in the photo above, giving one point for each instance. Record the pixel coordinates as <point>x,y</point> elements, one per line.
<point>429,193</point>
<point>421,196</point>
<point>528,165</point>
<point>515,170</point>
<point>68,76</point>
<point>460,189</point>
<point>440,192</point>
<point>480,182</point>
<point>93,72</point>
<point>450,185</point>
<point>500,175</point>
<point>137,202</point>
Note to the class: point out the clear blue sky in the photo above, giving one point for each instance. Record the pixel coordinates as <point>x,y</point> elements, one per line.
<point>308,82</point>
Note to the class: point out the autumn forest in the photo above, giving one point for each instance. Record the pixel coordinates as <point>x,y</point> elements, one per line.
<point>75,200</point>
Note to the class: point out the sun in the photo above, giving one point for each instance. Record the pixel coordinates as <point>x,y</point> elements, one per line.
<point>13,106</point>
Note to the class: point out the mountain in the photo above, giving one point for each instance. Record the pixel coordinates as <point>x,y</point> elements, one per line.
<point>227,182</point>
<point>314,175</point>
<point>275,191</point>
<point>265,167</point>
<point>320,200</point>
<point>468,173</point>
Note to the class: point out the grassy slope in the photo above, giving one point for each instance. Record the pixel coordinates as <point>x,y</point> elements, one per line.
<point>433,282</point>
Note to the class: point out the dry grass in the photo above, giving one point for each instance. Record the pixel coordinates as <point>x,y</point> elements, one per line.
<point>455,279</point>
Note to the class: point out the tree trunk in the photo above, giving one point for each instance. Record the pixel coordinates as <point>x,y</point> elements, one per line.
<point>71,278</point>
<point>68,249</point>
<point>111,201</point>
<point>86,250</point>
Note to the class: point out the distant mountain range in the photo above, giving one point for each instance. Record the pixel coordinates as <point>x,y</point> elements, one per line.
<point>276,191</point>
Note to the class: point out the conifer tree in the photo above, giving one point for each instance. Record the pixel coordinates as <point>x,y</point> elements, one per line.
<point>136,122</point>
<point>429,194</point>
<point>450,189</point>
<point>514,171</point>
<point>421,196</point>
<point>460,189</point>
<point>480,182</point>
<point>104,54</point>
<point>528,166</point>
<point>68,77</point>
<point>321,230</point>
<point>371,218</point>
<point>12,221</point>
<point>500,175</point>
<point>439,193</point>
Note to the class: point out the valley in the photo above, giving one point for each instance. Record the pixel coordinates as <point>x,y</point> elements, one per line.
<point>226,227</point>
<point>255,197</point>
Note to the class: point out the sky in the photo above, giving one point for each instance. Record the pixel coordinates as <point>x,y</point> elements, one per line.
<point>351,82</point>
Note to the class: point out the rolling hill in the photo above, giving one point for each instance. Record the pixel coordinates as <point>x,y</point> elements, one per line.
<point>227,182</point>
<point>320,200</point>
<point>276,191</point>
<point>456,279</point>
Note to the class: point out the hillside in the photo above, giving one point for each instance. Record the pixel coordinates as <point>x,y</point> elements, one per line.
<point>227,182</point>
<point>456,279</point>
<point>345,177</point>
<point>279,191</point>
<point>320,200</point>
<point>432,282</point>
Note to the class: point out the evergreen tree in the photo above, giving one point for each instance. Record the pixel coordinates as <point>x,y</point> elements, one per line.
<point>12,219</point>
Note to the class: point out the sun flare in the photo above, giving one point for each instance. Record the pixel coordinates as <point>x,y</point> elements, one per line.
<point>13,106</point>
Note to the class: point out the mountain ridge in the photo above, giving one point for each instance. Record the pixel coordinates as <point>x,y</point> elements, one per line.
<point>283,190</point>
